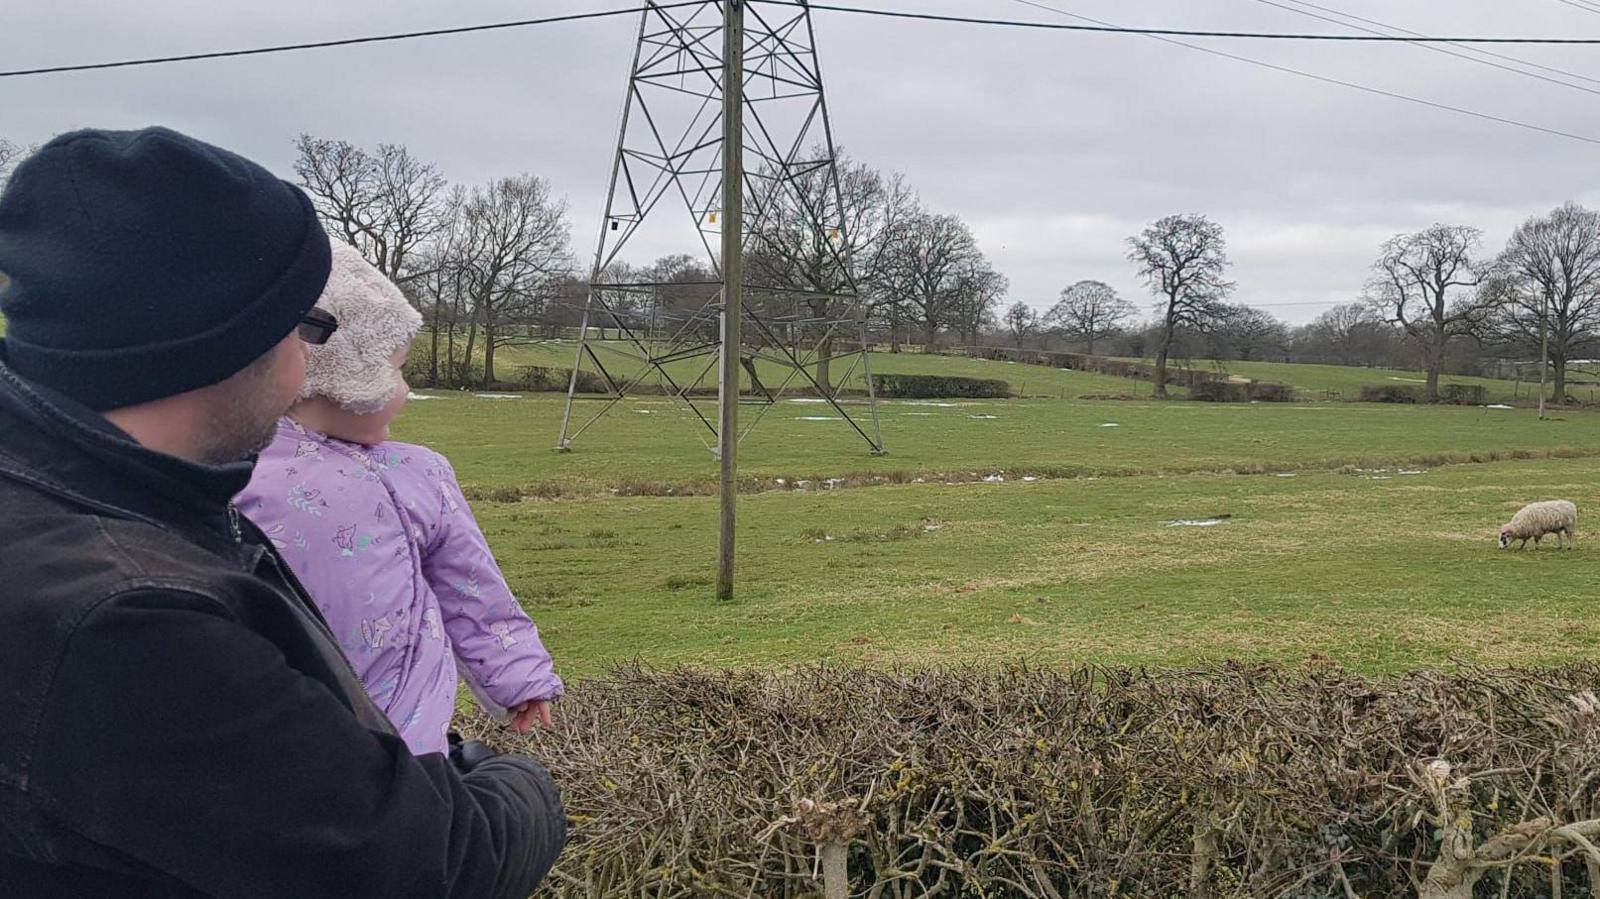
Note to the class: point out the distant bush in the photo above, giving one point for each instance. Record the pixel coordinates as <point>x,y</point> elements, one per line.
<point>1269,392</point>
<point>939,387</point>
<point>540,379</point>
<point>1253,391</point>
<point>1463,394</point>
<point>1117,368</point>
<point>1391,393</point>
<point>1219,392</point>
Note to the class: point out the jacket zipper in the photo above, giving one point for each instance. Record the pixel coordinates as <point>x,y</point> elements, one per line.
<point>233,523</point>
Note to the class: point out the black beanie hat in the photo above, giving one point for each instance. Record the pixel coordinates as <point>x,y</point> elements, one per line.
<point>145,264</point>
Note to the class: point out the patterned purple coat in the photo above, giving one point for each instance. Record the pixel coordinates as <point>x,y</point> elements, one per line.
<point>383,540</point>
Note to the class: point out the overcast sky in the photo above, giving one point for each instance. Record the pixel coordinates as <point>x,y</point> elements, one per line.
<point>1054,146</point>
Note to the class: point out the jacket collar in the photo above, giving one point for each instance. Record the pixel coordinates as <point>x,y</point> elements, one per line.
<point>60,446</point>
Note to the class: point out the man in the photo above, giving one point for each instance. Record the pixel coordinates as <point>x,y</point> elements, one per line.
<point>175,718</point>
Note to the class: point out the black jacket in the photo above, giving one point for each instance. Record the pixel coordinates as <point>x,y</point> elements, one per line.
<point>175,718</point>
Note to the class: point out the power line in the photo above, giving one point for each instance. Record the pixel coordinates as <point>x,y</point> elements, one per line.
<point>1107,28</point>
<point>1325,79</point>
<point>1097,27</point>
<point>1421,46</point>
<point>1583,6</point>
<point>1516,59</point>
<point>341,42</point>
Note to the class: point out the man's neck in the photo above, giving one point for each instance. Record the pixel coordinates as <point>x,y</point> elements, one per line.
<point>158,426</point>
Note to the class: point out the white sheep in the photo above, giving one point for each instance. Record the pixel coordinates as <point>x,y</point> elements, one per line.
<point>1555,516</point>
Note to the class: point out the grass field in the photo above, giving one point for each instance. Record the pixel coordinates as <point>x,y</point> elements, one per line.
<point>506,443</point>
<point>1026,380</point>
<point>1312,382</point>
<point>1314,551</point>
<point>1318,381</point>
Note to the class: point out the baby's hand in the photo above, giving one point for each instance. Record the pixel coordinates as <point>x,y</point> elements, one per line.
<point>523,715</point>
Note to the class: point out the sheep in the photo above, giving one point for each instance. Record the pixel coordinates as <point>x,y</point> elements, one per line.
<point>1556,516</point>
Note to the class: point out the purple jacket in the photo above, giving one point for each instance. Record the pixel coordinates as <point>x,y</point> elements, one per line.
<point>383,540</point>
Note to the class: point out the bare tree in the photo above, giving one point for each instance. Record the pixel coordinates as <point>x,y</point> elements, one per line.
<point>977,292</point>
<point>1249,333</point>
<point>826,236</point>
<point>1021,321</point>
<point>1545,287</point>
<point>386,204</point>
<point>929,257</point>
<point>1424,283</point>
<point>1349,330</point>
<point>1089,311</point>
<point>1182,259</point>
<point>512,251</point>
<point>10,155</point>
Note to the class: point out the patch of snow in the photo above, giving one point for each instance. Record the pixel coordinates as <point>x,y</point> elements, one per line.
<point>781,482</point>
<point>1286,474</point>
<point>1194,523</point>
<point>1030,478</point>
<point>817,418</point>
<point>921,414</point>
<point>1110,424</point>
<point>1498,406</point>
<point>835,482</point>
<point>807,399</point>
<point>645,411</point>
<point>1376,477</point>
<point>1410,471</point>
<point>994,478</point>
<point>413,395</point>
<point>982,417</point>
<point>1409,380</point>
<point>498,396</point>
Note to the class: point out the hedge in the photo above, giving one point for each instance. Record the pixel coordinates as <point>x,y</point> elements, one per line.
<point>1235,781</point>
<point>1450,394</point>
<point>1391,393</point>
<point>1182,377</point>
<point>1463,394</point>
<point>938,387</point>
<point>1229,392</point>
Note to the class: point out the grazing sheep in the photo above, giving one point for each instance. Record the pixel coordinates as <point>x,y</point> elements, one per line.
<point>1556,516</point>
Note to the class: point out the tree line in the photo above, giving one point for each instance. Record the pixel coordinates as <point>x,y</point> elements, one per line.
<point>1434,300</point>
<point>492,265</point>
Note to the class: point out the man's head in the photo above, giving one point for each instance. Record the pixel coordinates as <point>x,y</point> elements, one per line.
<point>160,280</point>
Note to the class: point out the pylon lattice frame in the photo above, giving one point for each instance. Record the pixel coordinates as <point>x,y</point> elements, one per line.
<point>669,152</point>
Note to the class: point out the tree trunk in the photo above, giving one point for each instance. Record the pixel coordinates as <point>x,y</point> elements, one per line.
<point>1161,354</point>
<point>894,329</point>
<point>930,337</point>
<point>433,356</point>
<point>1559,366</point>
<point>1090,351</point>
<point>466,356</point>
<point>824,352</point>
<point>488,355</point>
<point>1435,362</point>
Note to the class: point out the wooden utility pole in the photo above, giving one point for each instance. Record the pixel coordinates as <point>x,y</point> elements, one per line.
<point>732,278</point>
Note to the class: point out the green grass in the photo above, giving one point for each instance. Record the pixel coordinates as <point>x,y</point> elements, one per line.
<point>1379,570</point>
<point>506,443</point>
<point>1025,380</point>
<point>1378,574</point>
<point>1316,382</point>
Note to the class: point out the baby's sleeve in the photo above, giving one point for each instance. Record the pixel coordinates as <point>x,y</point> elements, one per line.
<point>496,644</point>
